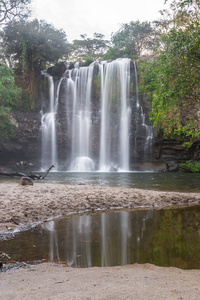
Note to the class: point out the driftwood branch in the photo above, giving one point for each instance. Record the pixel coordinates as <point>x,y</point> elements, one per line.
<point>12,174</point>
<point>32,176</point>
<point>47,172</point>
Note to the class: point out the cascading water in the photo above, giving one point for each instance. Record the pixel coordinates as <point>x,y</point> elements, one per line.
<point>81,120</point>
<point>115,115</point>
<point>141,122</point>
<point>49,140</point>
<point>88,126</point>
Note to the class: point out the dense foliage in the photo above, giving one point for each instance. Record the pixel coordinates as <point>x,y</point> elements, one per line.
<point>174,82</point>
<point>30,47</point>
<point>190,167</point>
<point>132,40</point>
<point>178,82</point>
<point>9,94</point>
<point>89,49</point>
<point>34,44</point>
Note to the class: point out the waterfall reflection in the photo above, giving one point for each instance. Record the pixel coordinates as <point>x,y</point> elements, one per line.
<point>165,237</point>
<point>105,239</point>
<point>126,234</point>
<point>49,227</point>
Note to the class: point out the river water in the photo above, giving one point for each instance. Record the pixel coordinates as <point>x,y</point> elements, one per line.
<point>179,182</point>
<point>176,182</point>
<point>165,237</point>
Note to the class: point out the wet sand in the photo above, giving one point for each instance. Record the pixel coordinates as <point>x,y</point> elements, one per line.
<point>22,206</point>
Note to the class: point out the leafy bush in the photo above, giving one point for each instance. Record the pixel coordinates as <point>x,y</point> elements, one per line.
<point>177,85</point>
<point>7,129</point>
<point>191,167</point>
<point>9,94</point>
<point>147,77</point>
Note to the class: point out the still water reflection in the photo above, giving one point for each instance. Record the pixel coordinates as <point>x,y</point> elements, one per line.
<point>163,237</point>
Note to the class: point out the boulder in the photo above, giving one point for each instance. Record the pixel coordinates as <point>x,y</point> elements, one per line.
<point>26,181</point>
<point>58,70</point>
<point>172,166</point>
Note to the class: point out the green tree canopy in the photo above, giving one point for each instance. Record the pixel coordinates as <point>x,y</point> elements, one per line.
<point>132,40</point>
<point>180,15</point>
<point>183,3</point>
<point>176,77</point>
<point>30,46</point>
<point>33,44</point>
<point>89,48</point>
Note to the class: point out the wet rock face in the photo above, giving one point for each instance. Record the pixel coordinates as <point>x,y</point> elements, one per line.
<point>58,70</point>
<point>25,145</point>
<point>172,166</point>
<point>174,150</point>
<point>169,150</point>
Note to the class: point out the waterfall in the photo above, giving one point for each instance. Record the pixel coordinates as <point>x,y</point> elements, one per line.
<point>81,120</point>
<point>115,115</point>
<point>136,86</point>
<point>48,127</point>
<point>88,125</point>
<point>141,124</point>
<point>149,132</point>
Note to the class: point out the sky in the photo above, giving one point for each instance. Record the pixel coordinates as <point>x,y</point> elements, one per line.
<point>78,17</point>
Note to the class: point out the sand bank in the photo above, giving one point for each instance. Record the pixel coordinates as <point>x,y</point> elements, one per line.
<point>24,205</point>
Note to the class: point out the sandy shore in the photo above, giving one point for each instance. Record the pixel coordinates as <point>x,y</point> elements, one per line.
<point>21,206</point>
<point>25,205</point>
<point>134,282</point>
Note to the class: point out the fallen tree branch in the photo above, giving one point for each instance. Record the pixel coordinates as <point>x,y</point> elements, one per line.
<point>32,176</point>
<point>12,174</point>
<point>47,172</point>
<point>35,176</point>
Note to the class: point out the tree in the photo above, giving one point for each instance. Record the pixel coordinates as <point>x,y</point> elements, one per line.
<point>9,94</point>
<point>181,14</point>
<point>89,48</point>
<point>13,9</point>
<point>133,39</point>
<point>34,44</point>
<point>177,85</point>
<point>183,3</point>
<point>173,82</point>
<point>30,47</point>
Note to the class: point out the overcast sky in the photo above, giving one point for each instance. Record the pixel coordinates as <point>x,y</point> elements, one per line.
<point>77,17</point>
